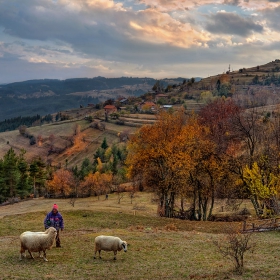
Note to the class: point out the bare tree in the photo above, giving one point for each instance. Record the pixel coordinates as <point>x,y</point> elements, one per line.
<point>234,246</point>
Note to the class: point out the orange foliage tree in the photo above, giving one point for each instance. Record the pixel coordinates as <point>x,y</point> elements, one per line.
<point>63,183</point>
<point>97,183</point>
<point>165,153</point>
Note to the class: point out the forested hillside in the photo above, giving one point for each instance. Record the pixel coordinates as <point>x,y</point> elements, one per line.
<point>44,97</point>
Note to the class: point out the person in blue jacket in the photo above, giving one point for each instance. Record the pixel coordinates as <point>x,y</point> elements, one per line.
<point>54,219</point>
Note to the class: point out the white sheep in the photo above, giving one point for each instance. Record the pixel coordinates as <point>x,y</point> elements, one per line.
<point>109,243</point>
<point>37,242</point>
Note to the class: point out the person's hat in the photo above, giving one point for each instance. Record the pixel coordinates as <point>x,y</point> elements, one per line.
<point>55,206</point>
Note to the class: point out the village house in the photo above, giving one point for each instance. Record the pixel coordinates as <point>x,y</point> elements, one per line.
<point>109,109</point>
<point>124,101</point>
<point>147,106</point>
<point>166,107</point>
<point>160,96</point>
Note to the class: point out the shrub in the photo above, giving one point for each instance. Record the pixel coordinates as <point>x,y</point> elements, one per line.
<point>234,246</point>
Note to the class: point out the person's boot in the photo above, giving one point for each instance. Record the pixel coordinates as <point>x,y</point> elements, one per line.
<point>58,244</point>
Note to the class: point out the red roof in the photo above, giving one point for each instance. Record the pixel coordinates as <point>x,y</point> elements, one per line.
<point>110,107</point>
<point>149,103</point>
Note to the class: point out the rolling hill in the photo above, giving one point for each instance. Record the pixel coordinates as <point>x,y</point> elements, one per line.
<point>46,96</point>
<point>257,86</point>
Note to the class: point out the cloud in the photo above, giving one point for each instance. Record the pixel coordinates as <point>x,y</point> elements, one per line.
<point>232,24</point>
<point>272,18</point>
<point>157,38</point>
<point>170,5</point>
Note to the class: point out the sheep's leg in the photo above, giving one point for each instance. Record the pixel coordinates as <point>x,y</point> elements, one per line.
<point>99,251</point>
<point>22,253</point>
<point>30,254</point>
<point>45,255</point>
<point>115,255</point>
<point>40,255</point>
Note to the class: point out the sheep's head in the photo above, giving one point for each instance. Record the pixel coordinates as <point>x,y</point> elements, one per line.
<point>52,231</point>
<point>124,246</point>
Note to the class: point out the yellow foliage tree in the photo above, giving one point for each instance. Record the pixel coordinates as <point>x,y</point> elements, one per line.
<point>99,165</point>
<point>263,185</point>
<point>97,183</point>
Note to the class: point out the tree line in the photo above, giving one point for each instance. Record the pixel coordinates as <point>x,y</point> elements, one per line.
<point>20,179</point>
<point>223,152</point>
<point>100,174</point>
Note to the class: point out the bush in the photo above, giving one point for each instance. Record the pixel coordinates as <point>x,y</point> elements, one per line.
<point>234,246</point>
<point>32,140</point>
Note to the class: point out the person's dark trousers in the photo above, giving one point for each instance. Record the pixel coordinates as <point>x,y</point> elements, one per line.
<point>57,239</point>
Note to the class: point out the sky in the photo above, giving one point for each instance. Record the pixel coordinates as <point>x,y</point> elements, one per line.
<point>61,39</point>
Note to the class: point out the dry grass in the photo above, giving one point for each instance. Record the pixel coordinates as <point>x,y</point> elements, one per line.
<point>159,248</point>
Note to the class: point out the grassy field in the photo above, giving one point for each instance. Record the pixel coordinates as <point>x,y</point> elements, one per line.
<point>159,248</point>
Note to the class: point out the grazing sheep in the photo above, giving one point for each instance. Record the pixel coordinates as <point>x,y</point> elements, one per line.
<point>109,243</point>
<point>37,242</point>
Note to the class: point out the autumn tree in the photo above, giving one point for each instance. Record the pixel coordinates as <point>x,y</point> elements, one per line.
<point>162,154</point>
<point>218,117</point>
<point>248,127</point>
<point>205,180</point>
<point>263,184</point>
<point>39,140</point>
<point>97,183</point>
<point>63,183</point>
<point>88,184</point>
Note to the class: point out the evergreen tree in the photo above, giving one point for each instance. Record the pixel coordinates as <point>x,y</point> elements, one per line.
<point>85,168</point>
<point>75,171</point>
<point>37,171</point>
<point>11,173</point>
<point>114,167</point>
<point>100,153</point>
<point>24,187</point>
<point>104,144</point>
<point>3,187</point>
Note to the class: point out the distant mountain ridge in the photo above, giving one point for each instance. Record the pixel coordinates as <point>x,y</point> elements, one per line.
<point>48,96</point>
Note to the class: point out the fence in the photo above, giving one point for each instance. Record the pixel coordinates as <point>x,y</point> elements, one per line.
<point>261,225</point>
